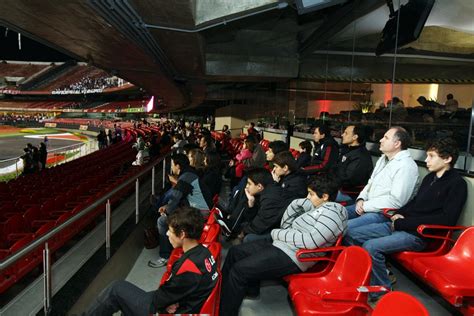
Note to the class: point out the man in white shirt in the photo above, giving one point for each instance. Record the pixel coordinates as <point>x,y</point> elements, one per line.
<point>392,184</point>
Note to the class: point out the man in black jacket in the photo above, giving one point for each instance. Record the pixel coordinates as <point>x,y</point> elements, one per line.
<point>354,166</point>
<point>326,151</point>
<point>286,174</point>
<point>439,201</point>
<point>193,276</point>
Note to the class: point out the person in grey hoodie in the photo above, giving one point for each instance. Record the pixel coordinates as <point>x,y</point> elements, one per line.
<point>309,223</point>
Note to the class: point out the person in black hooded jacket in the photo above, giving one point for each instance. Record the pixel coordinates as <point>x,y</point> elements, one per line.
<point>326,151</point>
<point>286,174</point>
<point>266,199</point>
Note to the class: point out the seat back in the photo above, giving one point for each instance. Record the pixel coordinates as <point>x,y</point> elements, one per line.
<point>463,249</point>
<point>210,233</point>
<point>352,269</point>
<point>399,303</point>
<point>211,305</point>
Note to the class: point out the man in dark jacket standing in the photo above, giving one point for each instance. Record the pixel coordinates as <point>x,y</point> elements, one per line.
<point>354,166</point>
<point>439,201</point>
<point>326,151</point>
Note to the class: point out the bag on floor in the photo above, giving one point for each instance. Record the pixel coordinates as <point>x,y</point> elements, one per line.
<point>151,238</point>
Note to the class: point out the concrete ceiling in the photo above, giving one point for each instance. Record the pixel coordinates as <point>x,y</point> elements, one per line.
<point>179,49</point>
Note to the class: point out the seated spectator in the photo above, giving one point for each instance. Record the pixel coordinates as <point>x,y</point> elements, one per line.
<point>326,151</point>
<point>392,184</point>
<point>354,166</point>
<point>274,148</point>
<point>260,207</point>
<point>212,173</point>
<point>258,155</point>
<point>207,143</point>
<point>244,153</point>
<point>179,142</point>
<point>193,276</point>
<point>226,131</point>
<point>309,223</point>
<point>439,201</point>
<point>252,131</point>
<point>196,160</point>
<point>287,175</point>
<point>451,103</point>
<point>188,190</point>
<point>304,159</point>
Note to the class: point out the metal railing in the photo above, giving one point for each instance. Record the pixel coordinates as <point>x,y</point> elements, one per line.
<point>82,149</point>
<point>43,240</point>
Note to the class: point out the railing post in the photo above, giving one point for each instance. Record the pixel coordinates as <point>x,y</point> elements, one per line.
<point>16,167</point>
<point>46,279</point>
<point>164,173</point>
<point>137,193</point>
<point>108,230</point>
<point>153,181</point>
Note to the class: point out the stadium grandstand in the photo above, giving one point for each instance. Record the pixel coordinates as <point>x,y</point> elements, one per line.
<point>264,157</point>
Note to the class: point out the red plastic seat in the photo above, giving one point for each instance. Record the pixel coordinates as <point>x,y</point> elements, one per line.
<point>335,293</point>
<point>323,264</point>
<point>399,303</point>
<point>439,242</point>
<point>451,274</point>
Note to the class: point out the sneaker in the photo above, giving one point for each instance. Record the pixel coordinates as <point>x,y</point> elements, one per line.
<point>158,263</point>
<point>225,229</point>
<point>392,277</point>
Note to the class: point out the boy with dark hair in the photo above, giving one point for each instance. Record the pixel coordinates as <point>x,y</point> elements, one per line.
<point>286,174</point>
<point>309,223</point>
<point>304,159</point>
<point>326,151</point>
<point>258,209</point>
<point>193,276</point>
<point>439,201</point>
<point>188,189</point>
<point>274,148</point>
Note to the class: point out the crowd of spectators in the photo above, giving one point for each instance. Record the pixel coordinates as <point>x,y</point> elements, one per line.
<point>275,208</point>
<point>91,83</point>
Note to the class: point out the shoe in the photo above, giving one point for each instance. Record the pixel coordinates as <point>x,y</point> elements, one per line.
<point>392,277</point>
<point>374,301</point>
<point>225,229</point>
<point>158,263</point>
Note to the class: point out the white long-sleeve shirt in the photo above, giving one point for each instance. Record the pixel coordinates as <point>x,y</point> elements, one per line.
<point>393,183</point>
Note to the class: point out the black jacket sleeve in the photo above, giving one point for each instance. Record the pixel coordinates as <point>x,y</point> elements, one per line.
<point>176,289</point>
<point>452,207</point>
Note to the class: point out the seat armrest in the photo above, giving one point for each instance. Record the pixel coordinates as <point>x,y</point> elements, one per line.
<point>448,229</point>
<point>389,212</point>
<point>305,255</point>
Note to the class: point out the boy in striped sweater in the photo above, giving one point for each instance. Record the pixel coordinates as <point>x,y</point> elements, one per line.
<point>309,223</point>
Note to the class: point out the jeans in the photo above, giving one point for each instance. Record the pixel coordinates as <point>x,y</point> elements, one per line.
<point>254,237</point>
<point>379,240</point>
<point>245,266</point>
<point>123,296</point>
<point>165,245</point>
<point>342,197</point>
<point>356,220</point>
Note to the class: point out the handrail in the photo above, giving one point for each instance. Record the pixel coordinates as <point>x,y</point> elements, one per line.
<point>38,242</point>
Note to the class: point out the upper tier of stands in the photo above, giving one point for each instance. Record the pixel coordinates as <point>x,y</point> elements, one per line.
<point>26,70</point>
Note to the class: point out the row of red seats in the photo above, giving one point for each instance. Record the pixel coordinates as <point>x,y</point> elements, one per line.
<point>23,219</point>
<point>339,283</point>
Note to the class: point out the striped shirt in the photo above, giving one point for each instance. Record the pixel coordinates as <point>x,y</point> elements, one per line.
<point>305,227</point>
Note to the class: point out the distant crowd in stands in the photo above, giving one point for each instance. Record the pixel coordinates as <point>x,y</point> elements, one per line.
<point>280,205</point>
<point>21,118</point>
<point>91,83</point>
<point>34,158</point>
